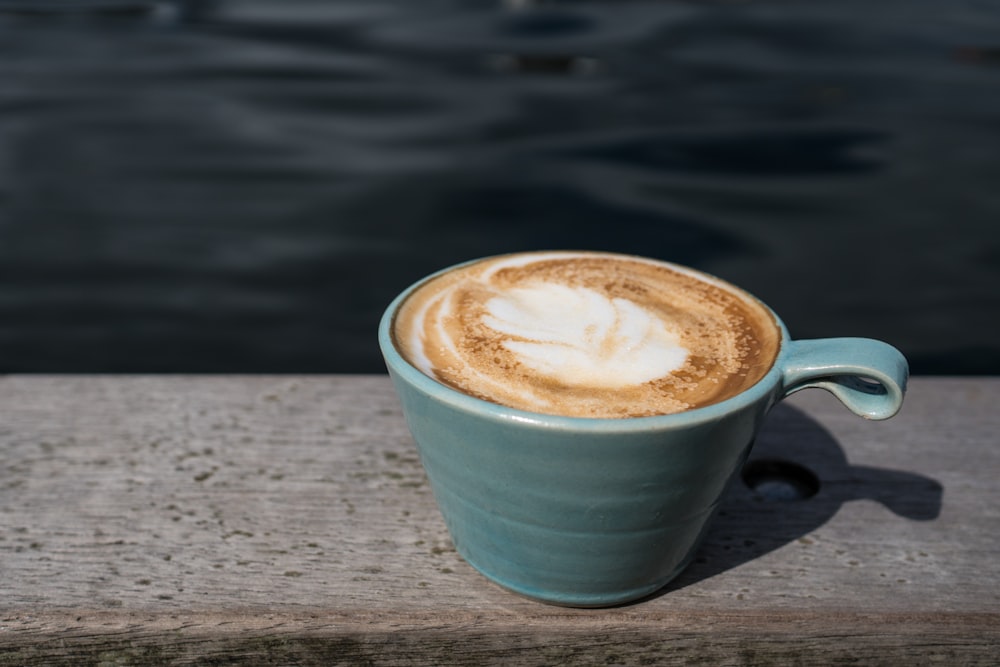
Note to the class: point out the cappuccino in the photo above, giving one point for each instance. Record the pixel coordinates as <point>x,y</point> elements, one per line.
<point>587,334</point>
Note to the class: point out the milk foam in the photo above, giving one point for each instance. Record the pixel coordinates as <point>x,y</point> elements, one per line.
<point>586,334</point>
<point>580,337</point>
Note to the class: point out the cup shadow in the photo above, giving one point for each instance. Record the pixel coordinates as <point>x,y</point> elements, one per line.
<point>810,479</point>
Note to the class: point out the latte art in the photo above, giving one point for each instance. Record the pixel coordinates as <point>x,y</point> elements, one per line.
<point>576,335</point>
<point>586,334</point>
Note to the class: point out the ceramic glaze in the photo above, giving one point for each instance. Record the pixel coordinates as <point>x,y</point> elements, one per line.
<point>597,512</point>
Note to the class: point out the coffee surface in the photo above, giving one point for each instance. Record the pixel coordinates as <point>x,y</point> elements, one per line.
<point>587,334</point>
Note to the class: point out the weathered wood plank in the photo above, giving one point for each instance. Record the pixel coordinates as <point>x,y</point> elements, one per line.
<point>181,520</point>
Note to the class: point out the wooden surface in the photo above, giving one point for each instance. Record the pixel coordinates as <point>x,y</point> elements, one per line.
<point>224,520</point>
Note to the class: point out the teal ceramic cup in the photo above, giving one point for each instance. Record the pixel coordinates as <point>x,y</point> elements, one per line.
<point>597,512</point>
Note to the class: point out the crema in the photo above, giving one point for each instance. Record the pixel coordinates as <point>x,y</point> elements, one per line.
<point>587,334</point>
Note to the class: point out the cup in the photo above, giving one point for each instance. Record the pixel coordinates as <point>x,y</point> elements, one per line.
<point>588,512</point>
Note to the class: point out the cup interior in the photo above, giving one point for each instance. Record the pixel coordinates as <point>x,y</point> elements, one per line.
<point>403,369</point>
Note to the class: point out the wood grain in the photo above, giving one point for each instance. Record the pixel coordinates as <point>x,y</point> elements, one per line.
<point>226,520</point>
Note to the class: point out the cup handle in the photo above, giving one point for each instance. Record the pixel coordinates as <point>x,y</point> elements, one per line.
<point>868,376</point>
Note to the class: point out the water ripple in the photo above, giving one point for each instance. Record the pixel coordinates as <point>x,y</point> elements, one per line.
<point>230,185</point>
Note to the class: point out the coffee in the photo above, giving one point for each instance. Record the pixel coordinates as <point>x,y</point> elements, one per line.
<point>587,334</point>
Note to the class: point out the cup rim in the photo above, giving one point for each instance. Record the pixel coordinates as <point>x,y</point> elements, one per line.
<point>399,366</point>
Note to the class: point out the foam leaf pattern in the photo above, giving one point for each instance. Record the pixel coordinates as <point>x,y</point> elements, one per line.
<point>580,337</point>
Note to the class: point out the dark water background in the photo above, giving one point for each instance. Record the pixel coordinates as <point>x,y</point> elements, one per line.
<point>243,186</point>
